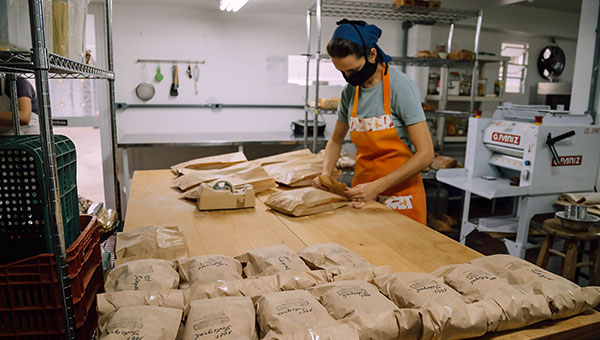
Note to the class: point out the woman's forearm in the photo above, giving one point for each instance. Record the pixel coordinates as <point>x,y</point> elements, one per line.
<point>413,166</point>
<point>332,154</point>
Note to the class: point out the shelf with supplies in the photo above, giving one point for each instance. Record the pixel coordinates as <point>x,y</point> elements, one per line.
<point>320,111</point>
<point>386,11</point>
<point>478,99</point>
<point>21,62</point>
<point>424,62</point>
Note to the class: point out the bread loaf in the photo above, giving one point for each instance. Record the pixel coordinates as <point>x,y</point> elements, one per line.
<point>461,55</point>
<point>403,3</point>
<point>428,107</point>
<point>330,104</point>
<point>443,162</point>
<point>427,54</point>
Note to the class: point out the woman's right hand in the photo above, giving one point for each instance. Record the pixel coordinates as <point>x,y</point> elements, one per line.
<point>317,184</point>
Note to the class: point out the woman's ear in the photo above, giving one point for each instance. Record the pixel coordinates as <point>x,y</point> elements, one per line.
<point>372,55</point>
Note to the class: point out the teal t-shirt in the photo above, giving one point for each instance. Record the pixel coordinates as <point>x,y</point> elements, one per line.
<point>405,100</point>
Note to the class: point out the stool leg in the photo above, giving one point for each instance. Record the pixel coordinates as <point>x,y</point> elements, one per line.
<point>570,261</point>
<point>595,268</point>
<point>542,260</point>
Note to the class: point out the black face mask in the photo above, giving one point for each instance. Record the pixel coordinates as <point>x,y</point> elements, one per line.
<point>361,76</point>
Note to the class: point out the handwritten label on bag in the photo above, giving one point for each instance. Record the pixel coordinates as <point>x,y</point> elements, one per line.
<point>347,291</point>
<point>214,322</point>
<point>298,306</point>
<point>427,285</point>
<point>479,275</point>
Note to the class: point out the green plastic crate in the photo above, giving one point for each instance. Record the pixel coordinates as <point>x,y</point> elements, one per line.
<point>24,211</point>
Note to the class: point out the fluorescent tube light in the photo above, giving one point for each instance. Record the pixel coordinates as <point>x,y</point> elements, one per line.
<point>232,5</point>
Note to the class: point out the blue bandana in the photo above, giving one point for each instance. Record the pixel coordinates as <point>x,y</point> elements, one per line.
<point>361,33</point>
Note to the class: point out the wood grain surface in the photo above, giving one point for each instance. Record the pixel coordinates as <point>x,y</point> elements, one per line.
<point>380,235</point>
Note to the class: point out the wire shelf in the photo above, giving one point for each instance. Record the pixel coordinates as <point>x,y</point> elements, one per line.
<point>21,62</point>
<point>320,111</point>
<point>425,62</point>
<point>386,11</point>
<point>430,62</point>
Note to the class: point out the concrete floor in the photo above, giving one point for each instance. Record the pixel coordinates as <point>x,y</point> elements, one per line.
<point>90,180</point>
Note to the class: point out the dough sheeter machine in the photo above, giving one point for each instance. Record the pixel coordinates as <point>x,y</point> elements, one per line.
<point>528,152</point>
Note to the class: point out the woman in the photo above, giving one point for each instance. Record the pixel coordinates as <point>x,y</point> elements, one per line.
<point>28,108</point>
<point>382,109</point>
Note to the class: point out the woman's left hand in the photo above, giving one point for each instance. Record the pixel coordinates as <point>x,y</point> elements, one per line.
<point>363,192</point>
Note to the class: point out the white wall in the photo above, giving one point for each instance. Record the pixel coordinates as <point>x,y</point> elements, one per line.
<point>236,47</point>
<point>585,55</point>
<point>491,41</point>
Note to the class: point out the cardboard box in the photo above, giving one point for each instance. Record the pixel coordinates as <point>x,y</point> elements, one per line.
<point>212,199</point>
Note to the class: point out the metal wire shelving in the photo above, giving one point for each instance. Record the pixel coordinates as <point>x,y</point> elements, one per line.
<point>386,11</point>
<point>41,65</point>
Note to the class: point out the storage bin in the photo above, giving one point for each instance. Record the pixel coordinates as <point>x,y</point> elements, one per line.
<point>30,303</point>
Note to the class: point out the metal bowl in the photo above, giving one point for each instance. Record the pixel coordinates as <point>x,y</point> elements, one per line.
<point>575,224</point>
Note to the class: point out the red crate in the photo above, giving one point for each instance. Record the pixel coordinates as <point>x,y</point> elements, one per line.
<point>30,304</point>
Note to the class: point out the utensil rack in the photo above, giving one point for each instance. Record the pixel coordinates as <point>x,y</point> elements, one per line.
<point>386,11</point>
<point>41,65</point>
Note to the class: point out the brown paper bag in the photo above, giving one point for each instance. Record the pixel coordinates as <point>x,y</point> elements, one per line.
<point>333,185</point>
<point>337,332</point>
<point>305,201</point>
<point>445,313</point>
<point>515,308</point>
<point>256,176</point>
<point>332,257</point>
<point>288,312</point>
<point>364,274</point>
<point>110,302</point>
<point>140,322</point>
<point>296,171</point>
<point>360,305</point>
<point>191,178</point>
<point>208,268</point>
<point>147,274</point>
<point>301,280</point>
<point>158,242</point>
<point>252,288</point>
<point>271,260</point>
<point>227,318</point>
<point>282,157</point>
<point>212,162</point>
<point>564,297</point>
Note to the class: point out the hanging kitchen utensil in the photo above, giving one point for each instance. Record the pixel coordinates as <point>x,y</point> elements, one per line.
<point>159,76</point>
<point>145,91</point>
<point>196,73</point>
<point>175,85</point>
<point>189,71</point>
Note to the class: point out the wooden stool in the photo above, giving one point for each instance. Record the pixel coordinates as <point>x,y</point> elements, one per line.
<point>553,228</point>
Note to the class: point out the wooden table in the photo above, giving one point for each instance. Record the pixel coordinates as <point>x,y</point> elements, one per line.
<point>380,235</point>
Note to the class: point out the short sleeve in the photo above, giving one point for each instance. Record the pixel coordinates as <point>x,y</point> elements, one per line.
<point>24,88</point>
<point>408,102</point>
<point>344,104</point>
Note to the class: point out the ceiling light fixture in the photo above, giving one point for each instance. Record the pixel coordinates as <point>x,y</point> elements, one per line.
<point>232,5</point>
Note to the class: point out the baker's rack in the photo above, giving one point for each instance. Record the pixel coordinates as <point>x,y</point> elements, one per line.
<point>42,65</point>
<point>386,11</point>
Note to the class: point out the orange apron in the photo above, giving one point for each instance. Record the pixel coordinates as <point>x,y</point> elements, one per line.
<point>380,151</point>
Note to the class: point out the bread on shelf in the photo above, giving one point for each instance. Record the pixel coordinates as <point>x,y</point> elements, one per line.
<point>461,55</point>
<point>427,54</point>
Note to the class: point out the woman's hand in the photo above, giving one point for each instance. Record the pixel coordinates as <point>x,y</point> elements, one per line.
<point>317,184</point>
<point>363,193</point>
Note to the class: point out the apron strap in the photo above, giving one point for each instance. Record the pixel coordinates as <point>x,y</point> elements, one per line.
<point>387,103</point>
